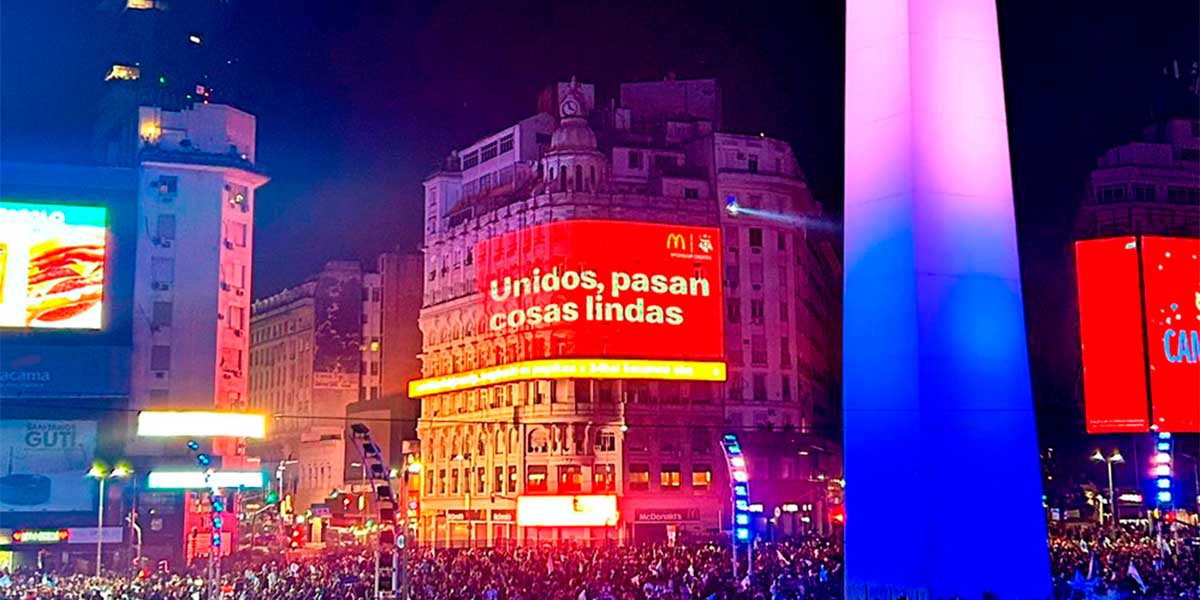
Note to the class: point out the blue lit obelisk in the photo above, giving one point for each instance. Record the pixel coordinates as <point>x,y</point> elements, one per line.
<point>943,494</point>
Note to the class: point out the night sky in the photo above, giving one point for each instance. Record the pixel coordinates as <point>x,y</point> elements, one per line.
<point>355,107</point>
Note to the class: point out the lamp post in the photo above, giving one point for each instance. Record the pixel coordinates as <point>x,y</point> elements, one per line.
<point>409,469</point>
<point>102,474</point>
<point>1108,461</point>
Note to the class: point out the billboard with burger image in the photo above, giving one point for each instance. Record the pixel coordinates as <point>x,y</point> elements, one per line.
<point>52,265</point>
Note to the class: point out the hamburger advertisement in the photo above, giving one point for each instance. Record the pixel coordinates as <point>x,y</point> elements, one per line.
<point>52,263</point>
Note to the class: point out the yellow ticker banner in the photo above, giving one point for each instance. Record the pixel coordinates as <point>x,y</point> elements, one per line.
<point>570,368</point>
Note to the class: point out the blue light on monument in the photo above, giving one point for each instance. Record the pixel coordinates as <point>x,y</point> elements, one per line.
<point>931,263</point>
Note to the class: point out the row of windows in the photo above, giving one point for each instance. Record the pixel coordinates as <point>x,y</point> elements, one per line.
<point>758,387</point>
<point>487,152</point>
<point>1141,192</point>
<point>569,478</point>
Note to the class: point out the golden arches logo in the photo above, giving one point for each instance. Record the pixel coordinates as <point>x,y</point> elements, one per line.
<point>676,241</point>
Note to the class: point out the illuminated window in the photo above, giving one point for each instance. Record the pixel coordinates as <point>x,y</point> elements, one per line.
<point>604,478</point>
<point>535,479</point>
<point>701,476</point>
<point>512,479</point>
<point>639,477</point>
<point>480,479</point>
<point>669,478</point>
<point>123,73</point>
<point>570,478</point>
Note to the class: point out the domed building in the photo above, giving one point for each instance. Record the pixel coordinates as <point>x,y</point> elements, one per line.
<point>574,163</point>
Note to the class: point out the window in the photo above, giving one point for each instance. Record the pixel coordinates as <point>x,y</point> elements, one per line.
<point>606,442</point>
<point>231,360</point>
<point>756,237</point>
<point>756,275</point>
<point>498,484</point>
<point>604,478</point>
<point>570,478</point>
<point>731,276</point>
<point>165,228</point>
<point>752,165</point>
<point>785,352</point>
<point>488,152</point>
<point>669,478</point>
<point>239,197</point>
<point>161,316</point>
<point>733,310</point>
<point>701,441</point>
<point>781,242</point>
<point>786,382</point>
<point>691,193</point>
<point>783,312</point>
<point>512,479</point>
<point>1110,193</point>
<point>639,477</point>
<point>235,317</point>
<point>756,311</point>
<point>1189,154</point>
<point>1143,193</point>
<point>701,476</point>
<point>160,358</point>
<point>376,294</point>
<point>539,441</point>
<point>535,479</point>
<point>374,368</point>
<point>605,391</point>
<point>1183,195</point>
<point>470,160</point>
<point>760,387</point>
<point>542,139</point>
<point>236,233</point>
<point>735,386</point>
<point>162,272</point>
<point>635,159</point>
<point>506,143</point>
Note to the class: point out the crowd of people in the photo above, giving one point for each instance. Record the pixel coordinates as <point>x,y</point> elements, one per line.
<point>1130,563</point>
<point>1085,566</point>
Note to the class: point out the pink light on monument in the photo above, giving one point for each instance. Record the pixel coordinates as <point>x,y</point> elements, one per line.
<point>931,259</point>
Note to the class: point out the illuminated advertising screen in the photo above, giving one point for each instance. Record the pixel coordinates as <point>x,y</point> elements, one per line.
<point>567,511</point>
<point>43,465</point>
<point>594,300</point>
<point>52,265</point>
<point>605,289</point>
<point>1171,276</point>
<point>1110,332</point>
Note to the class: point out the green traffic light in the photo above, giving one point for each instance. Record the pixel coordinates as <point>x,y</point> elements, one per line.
<point>272,497</point>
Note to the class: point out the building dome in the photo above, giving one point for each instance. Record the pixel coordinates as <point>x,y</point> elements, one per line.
<point>573,133</point>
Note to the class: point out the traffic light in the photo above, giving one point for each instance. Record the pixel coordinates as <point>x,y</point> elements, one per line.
<point>272,497</point>
<point>296,538</point>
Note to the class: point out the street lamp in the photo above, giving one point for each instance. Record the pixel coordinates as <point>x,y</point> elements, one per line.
<point>1108,461</point>
<point>102,474</point>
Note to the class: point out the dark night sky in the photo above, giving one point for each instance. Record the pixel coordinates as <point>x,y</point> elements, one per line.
<point>355,106</point>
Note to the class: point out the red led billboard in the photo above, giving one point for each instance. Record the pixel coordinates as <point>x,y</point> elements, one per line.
<point>1110,331</point>
<point>602,289</point>
<point>1171,276</point>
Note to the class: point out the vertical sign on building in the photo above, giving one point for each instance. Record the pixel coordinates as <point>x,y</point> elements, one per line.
<point>1110,333</point>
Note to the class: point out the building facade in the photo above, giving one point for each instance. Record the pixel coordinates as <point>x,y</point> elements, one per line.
<point>1147,186</point>
<point>652,156</point>
<point>311,360</point>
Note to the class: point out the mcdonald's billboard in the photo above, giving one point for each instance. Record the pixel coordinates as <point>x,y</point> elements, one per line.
<point>602,289</point>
